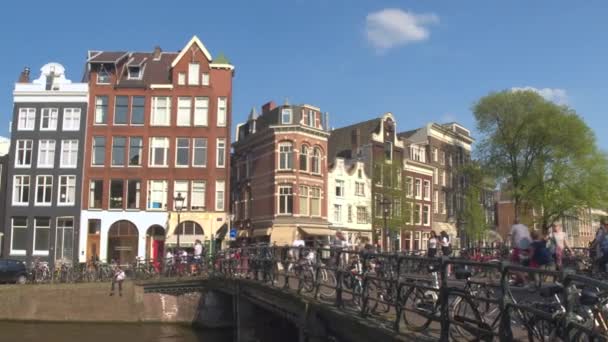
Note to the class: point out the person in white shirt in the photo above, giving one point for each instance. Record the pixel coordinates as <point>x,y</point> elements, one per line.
<point>432,245</point>
<point>520,240</point>
<point>558,243</point>
<point>198,250</point>
<point>119,277</point>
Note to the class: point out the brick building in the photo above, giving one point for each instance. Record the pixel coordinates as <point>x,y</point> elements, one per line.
<point>158,128</point>
<point>280,168</point>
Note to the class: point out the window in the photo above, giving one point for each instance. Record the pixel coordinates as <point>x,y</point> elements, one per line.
<point>134,73</point>
<point>94,227</point>
<point>379,206</point>
<point>349,215</point>
<point>201,111</point>
<point>103,76</point>
<point>285,156</point>
<point>340,188</point>
<point>359,189</point>
<point>286,116</point>
<point>46,153</point>
<point>315,201</point>
<point>426,215</point>
<point>418,153</point>
<point>181,78</point>
<point>118,151</point>
<point>67,190</point>
<point>316,161</point>
<point>199,152</point>
<point>222,104</point>
<point>436,201</point>
<point>64,239</point>
<point>220,153</point>
<point>304,200</point>
<point>388,150</point>
<point>183,152</point>
<point>161,111</point>
<point>220,188</point>
<point>121,110</point>
<point>27,119</point>
<point>184,110</point>
<point>157,194</point>
<point>117,194</point>
<point>181,187</point>
<point>426,193</point>
<point>417,210</point>
<point>23,156</point>
<point>311,118</point>
<point>198,195</point>
<point>21,190</point>
<point>133,194</point>
<point>397,207</point>
<point>137,110</point>
<point>205,78</point>
<point>48,119</point>
<point>337,213</point>
<point>304,158</point>
<point>42,230</point>
<point>442,158</point>
<point>409,186</point>
<point>136,150</point>
<point>193,73</point>
<point>359,174</point>
<point>71,119</point>
<point>99,150</point>
<point>95,194</point>
<point>18,235</point>
<point>361,215</point>
<point>398,177</point>
<point>418,188</point>
<point>248,165</point>
<point>159,149</point>
<point>434,154</point>
<point>101,110</point>
<point>443,177</point>
<point>442,203</point>
<point>285,200</point>
<point>435,176</point>
<point>44,190</point>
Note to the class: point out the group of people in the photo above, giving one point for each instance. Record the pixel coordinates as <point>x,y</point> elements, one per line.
<point>439,241</point>
<point>182,256</point>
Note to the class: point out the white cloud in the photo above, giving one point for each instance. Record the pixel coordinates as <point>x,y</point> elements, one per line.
<point>392,27</point>
<point>555,95</point>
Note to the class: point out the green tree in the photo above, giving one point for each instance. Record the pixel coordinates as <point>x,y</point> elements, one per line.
<point>473,212</point>
<point>546,153</point>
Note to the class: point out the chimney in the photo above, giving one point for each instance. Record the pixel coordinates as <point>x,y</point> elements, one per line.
<point>326,124</point>
<point>24,77</point>
<point>156,54</point>
<point>268,107</point>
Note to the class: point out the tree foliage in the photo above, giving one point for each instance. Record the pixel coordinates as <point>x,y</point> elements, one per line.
<point>546,153</point>
<point>473,212</point>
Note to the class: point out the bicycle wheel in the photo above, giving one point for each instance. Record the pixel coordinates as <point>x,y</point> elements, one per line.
<point>308,280</point>
<point>417,308</point>
<point>328,281</point>
<point>465,314</point>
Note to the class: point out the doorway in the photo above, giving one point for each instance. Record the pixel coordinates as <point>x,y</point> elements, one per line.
<point>155,243</point>
<point>94,230</point>
<point>122,242</point>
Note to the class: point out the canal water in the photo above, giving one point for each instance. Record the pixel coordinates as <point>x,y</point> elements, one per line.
<point>93,332</point>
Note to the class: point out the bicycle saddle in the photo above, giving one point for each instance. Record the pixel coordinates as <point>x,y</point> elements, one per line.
<point>589,297</point>
<point>551,290</point>
<point>462,273</point>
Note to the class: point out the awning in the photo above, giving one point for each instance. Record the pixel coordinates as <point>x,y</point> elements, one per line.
<point>221,232</point>
<point>242,233</point>
<point>283,235</point>
<point>317,231</point>
<point>261,232</point>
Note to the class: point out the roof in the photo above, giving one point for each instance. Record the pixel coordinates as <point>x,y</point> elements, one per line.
<point>341,139</point>
<point>221,59</point>
<point>107,56</point>
<point>407,134</point>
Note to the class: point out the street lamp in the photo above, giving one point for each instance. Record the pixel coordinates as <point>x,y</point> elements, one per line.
<point>385,205</point>
<point>179,205</point>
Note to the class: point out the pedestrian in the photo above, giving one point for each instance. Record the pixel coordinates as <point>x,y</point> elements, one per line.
<point>540,255</point>
<point>119,277</point>
<point>446,243</point>
<point>557,244</point>
<point>432,245</point>
<point>600,245</point>
<point>520,243</point>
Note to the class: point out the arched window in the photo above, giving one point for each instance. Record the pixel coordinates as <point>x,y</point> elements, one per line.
<point>189,228</point>
<point>316,160</point>
<point>304,158</point>
<point>285,156</point>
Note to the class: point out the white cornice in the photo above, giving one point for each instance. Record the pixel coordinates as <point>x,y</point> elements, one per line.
<point>192,41</point>
<point>380,136</point>
<point>221,66</point>
<point>424,170</point>
<point>161,86</point>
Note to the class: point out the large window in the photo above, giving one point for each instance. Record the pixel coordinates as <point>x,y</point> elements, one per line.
<point>159,149</point>
<point>71,119</point>
<point>417,214</point>
<point>435,176</point>
<point>436,201</point>
<point>304,192</point>
<point>27,119</point>
<point>161,111</point>
<point>205,78</point>
<point>183,152</point>
<point>44,190</point>
<point>99,151</point>
<point>359,189</point>
<point>46,153</point>
<point>315,201</point>
<point>426,215</point>
<point>418,153</point>
<point>316,160</point>
<point>337,213</point>
<point>201,111</point>
<point>23,157</point>
<point>199,152</point>
<point>397,207</point>
<point>136,150</point>
<point>137,110</point>
<point>285,200</point>
<point>67,190</point>
<point>311,118</point>
<point>434,152</point>
<point>133,193</point>
<point>304,158</point>
<point>184,110</point>
<point>340,188</point>
<point>121,110</point>
<point>193,73</point>
<point>117,193</point>
<point>101,109</point>
<point>157,194</point>
<point>285,156</point>
<point>48,119</point>
<point>180,187</point>
<point>388,150</point>
<point>220,190</point>
<point>18,235</point>
<point>198,195</point>
<point>42,233</point>
<point>222,110</point>
<point>64,239</point>
<point>21,190</point>
<point>426,193</point>
<point>221,152</point>
<point>118,151</point>
<point>361,215</point>
<point>418,188</point>
<point>95,194</point>
<point>286,116</point>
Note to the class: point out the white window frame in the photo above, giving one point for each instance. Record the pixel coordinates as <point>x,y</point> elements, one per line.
<point>222,111</point>
<point>163,203</point>
<point>40,252</point>
<point>184,111</point>
<point>177,148</point>
<point>315,161</point>
<point>311,118</point>
<point>337,213</point>
<point>140,149</point>
<point>303,194</point>
<point>201,111</point>
<point>25,149</point>
<point>134,77</point>
<point>155,142</point>
<point>155,120</point>
<point>107,75</point>
<point>18,251</point>
<point>50,146</point>
<point>181,78</point>
<point>181,187</point>
<point>313,190</point>
<point>205,78</point>
<point>288,192</point>
<point>53,118</point>
<point>137,194</point>
<point>71,119</point>
<point>340,184</point>
<point>194,194</point>
<point>45,190</point>
<point>98,107</point>
<point>194,148</point>
<point>285,156</point>
<point>443,178</point>
<point>426,190</point>
<point>60,236</point>
<point>92,194</point>
<point>418,188</point>
<point>436,201</point>
<point>286,116</point>
<point>194,70</point>
<point>426,217</point>
<point>20,191</point>
<point>220,141</point>
<point>220,192</point>
<point>359,189</point>
<point>68,145</point>
<point>26,120</point>
<point>434,152</point>
<point>67,186</point>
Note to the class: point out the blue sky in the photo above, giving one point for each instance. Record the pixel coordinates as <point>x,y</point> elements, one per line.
<point>421,60</point>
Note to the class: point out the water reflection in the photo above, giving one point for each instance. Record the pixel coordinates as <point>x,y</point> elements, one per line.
<point>93,332</point>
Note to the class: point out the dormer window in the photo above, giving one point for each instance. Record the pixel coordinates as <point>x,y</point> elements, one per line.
<point>134,73</point>
<point>311,118</point>
<point>193,73</point>
<point>103,76</point>
<point>286,116</point>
